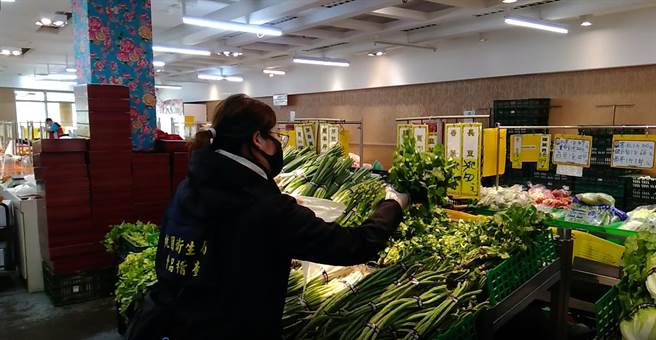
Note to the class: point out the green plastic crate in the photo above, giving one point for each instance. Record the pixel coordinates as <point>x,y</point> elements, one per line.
<point>612,231</point>
<point>510,274</point>
<point>464,329</point>
<point>607,314</point>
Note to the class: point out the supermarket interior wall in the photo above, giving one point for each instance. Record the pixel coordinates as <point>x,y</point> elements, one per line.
<point>611,42</point>
<point>575,97</point>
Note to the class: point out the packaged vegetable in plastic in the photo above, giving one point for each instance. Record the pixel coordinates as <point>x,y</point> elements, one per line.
<point>596,198</point>
<point>641,326</point>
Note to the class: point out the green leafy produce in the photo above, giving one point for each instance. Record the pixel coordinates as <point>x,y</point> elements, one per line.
<point>426,176</point>
<point>135,275</point>
<point>140,234</point>
<point>641,326</point>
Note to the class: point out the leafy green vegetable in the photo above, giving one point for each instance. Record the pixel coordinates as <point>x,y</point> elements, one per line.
<point>135,275</point>
<point>426,176</point>
<point>139,234</point>
<point>642,326</point>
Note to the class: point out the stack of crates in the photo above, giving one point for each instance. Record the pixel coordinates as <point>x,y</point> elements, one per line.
<point>151,175</point>
<point>520,112</point>
<point>104,111</point>
<point>69,242</point>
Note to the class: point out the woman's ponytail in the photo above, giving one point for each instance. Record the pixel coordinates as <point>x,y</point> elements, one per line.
<point>202,139</point>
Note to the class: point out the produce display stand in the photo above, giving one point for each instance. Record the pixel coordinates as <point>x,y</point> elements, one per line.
<point>552,272</point>
<point>358,123</point>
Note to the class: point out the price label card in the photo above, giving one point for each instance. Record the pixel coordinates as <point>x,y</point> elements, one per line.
<point>300,136</point>
<point>432,141</point>
<point>569,170</point>
<point>418,131</point>
<point>572,150</point>
<point>633,151</point>
<point>516,151</point>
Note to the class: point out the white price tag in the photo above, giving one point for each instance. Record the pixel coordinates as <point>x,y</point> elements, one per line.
<point>569,170</point>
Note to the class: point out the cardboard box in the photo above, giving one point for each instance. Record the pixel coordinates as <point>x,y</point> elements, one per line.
<point>58,159</point>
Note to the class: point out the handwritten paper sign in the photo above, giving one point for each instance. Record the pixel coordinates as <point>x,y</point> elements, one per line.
<point>633,151</point>
<point>463,144</point>
<point>453,150</point>
<point>572,150</point>
<point>471,160</point>
<point>545,153</point>
<point>418,131</point>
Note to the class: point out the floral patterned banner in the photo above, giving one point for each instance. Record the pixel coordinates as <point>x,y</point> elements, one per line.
<point>113,45</point>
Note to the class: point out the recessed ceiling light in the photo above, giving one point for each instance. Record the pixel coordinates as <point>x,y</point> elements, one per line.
<point>190,51</point>
<point>535,23</point>
<point>275,72</point>
<point>509,1</point>
<point>586,23</point>
<point>321,61</point>
<point>38,23</point>
<point>16,52</point>
<point>232,26</point>
<point>58,23</point>
<point>46,21</point>
<point>169,87</point>
<point>158,63</point>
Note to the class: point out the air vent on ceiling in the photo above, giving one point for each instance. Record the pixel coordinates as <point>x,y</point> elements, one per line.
<point>325,47</point>
<point>535,4</point>
<point>337,3</point>
<point>419,27</point>
<point>281,20</point>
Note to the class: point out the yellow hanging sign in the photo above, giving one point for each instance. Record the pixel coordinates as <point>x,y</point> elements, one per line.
<point>494,147</point>
<point>344,140</point>
<point>526,148</point>
<point>453,151</point>
<point>463,144</point>
<point>633,152</point>
<point>544,155</point>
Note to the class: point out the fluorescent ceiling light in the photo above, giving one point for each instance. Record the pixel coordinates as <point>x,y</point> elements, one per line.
<point>166,49</point>
<point>276,72</point>
<point>5,52</point>
<point>205,76</point>
<point>168,87</point>
<point>46,21</point>
<point>16,52</point>
<point>321,61</point>
<point>158,63</point>
<point>7,0</point>
<point>71,70</point>
<point>232,26</point>
<point>586,23</point>
<point>55,76</point>
<point>509,1</point>
<point>536,24</point>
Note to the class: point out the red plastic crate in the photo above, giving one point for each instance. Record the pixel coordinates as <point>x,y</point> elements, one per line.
<point>57,159</point>
<point>172,146</point>
<point>94,235</point>
<point>60,145</point>
<point>65,227</point>
<point>102,91</point>
<point>61,173</point>
<point>71,187</point>
<point>74,264</point>
<point>102,105</point>
<point>68,213</point>
<point>67,200</point>
<point>118,145</point>
<point>109,158</point>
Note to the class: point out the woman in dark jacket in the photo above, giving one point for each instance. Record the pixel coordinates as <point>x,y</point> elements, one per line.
<point>229,235</point>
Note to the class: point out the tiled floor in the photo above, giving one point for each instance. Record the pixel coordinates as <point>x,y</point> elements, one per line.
<point>32,317</point>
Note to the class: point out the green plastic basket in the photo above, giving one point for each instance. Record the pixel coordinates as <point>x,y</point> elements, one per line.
<point>510,274</point>
<point>464,329</point>
<point>610,232</point>
<point>607,314</point>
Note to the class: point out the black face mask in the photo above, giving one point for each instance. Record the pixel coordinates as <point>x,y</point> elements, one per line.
<point>275,160</point>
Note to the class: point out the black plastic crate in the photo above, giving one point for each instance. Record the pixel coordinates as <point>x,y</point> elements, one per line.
<point>643,188</point>
<point>65,289</point>
<point>633,203</point>
<point>552,180</point>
